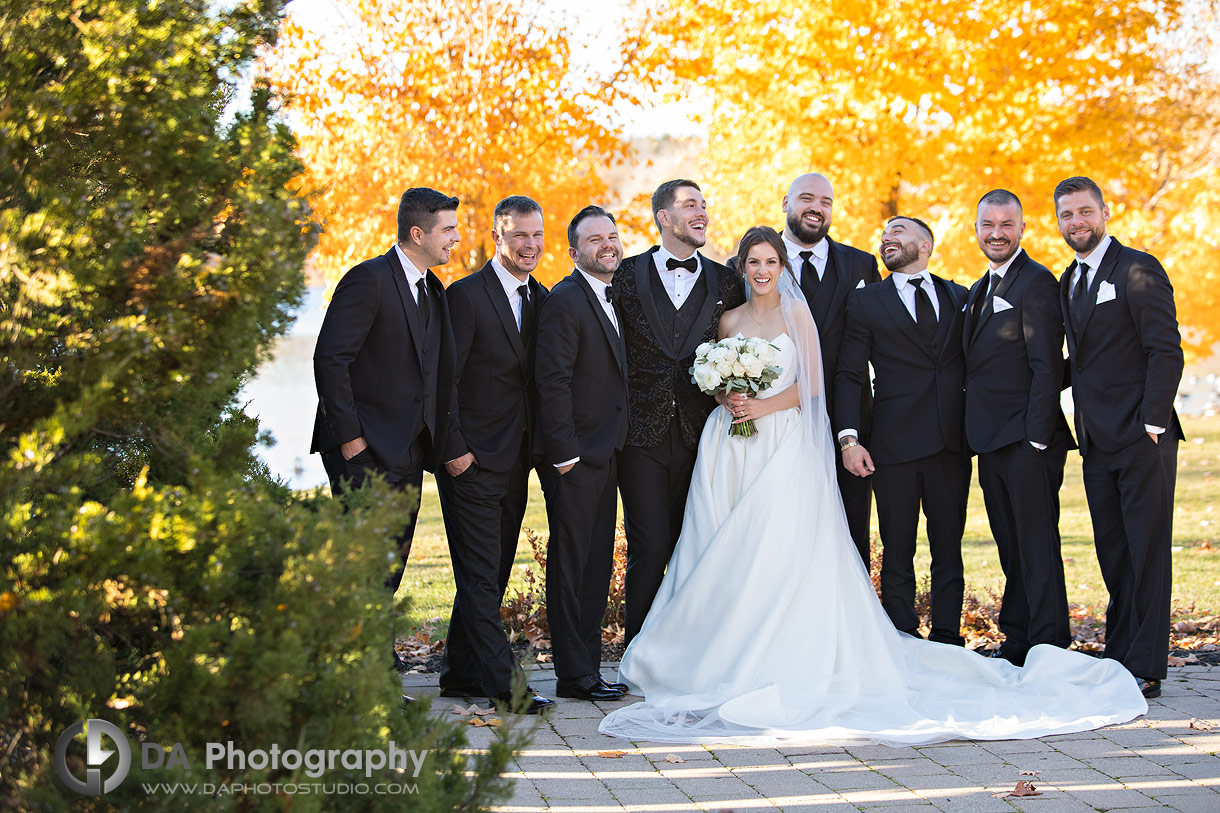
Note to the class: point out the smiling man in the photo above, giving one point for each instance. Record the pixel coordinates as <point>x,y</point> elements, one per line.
<point>1013,341</point>
<point>1125,362</point>
<point>670,299</point>
<point>909,328</point>
<point>484,483</point>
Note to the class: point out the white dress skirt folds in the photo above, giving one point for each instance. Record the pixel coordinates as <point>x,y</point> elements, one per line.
<point>767,630</point>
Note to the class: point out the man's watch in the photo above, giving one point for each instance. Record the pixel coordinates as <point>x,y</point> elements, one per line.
<point>847,441</point>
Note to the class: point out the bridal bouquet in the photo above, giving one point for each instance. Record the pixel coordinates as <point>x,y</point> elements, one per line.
<point>736,364</point>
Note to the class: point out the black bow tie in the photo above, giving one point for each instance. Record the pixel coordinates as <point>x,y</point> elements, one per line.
<point>690,263</point>
<point>610,293</point>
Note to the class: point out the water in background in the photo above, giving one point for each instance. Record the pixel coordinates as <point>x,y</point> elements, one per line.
<point>282,396</point>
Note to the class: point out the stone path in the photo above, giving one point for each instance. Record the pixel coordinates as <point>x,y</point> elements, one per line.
<point>1157,762</point>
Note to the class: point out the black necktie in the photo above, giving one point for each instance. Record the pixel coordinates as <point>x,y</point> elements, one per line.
<point>995,281</point>
<point>1079,293</point>
<point>527,312</point>
<point>690,263</point>
<point>809,272</point>
<point>925,313</point>
<point>421,302</point>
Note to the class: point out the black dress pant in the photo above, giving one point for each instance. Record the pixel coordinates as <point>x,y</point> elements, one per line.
<point>351,474</point>
<point>482,512</point>
<point>941,484</point>
<point>579,561</point>
<point>654,482</point>
<point>857,495</point>
<point>1130,494</point>
<point>1021,490</point>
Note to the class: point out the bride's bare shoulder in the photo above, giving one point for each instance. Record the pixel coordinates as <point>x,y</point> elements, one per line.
<point>729,321</point>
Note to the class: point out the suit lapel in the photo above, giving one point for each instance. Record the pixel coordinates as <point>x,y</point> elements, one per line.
<point>612,336</point>
<point>410,309</point>
<point>711,281</point>
<point>974,311</point>
<point>1108,264</point>
<point>643,289</point>
<point>837,259</point>
<point>946,321</point>
<point>899,313</point>
<point>1065,308</point>
<point>499,303</point>
<point>987,307</point>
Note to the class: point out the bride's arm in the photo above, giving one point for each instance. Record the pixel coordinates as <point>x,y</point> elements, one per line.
<point>755,408</point>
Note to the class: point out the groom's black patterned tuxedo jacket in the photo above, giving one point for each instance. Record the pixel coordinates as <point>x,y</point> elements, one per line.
<point>658,366</point>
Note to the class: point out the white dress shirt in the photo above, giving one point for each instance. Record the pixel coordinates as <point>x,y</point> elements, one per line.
<point>413,274</point>
<point>599,290</point>
<point>510,284</point>
<point>907,291</point>
<point>820,249</point>
<point>678,282</point>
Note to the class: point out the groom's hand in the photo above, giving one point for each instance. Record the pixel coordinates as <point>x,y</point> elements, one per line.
<point>858,461</point>
<point>459,464</point>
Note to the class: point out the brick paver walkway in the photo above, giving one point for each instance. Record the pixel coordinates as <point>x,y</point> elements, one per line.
<point>1157,762</point>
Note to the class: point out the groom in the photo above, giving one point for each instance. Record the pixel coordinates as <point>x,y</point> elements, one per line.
<point>909,327</point>
<point>670,299</point>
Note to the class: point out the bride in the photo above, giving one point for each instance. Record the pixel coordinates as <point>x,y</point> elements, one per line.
<point>766,628</point>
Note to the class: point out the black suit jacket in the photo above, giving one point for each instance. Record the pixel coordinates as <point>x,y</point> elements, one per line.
<point>1126,356</point>
<point>659,372</point>
<point>378,375</point>
<point>917,388</point>
<point>581,375</point>
<point>493,372</point>
<point>1014,360</point>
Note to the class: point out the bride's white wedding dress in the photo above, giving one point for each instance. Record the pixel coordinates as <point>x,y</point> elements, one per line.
<point>767,629</point>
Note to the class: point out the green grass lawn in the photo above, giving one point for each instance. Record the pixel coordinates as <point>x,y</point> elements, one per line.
<point>1196,553</point>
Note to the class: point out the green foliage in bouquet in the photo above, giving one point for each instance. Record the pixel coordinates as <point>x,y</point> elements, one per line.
<point>152,573</point>
<point>736,364</point>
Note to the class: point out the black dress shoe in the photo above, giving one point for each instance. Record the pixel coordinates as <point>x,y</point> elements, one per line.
<point>1013,659</point>
<point>614,687</point>
<point>529,704</point>
<point>1149,688</point>
<point>463,690</point>
<point>589,688</point>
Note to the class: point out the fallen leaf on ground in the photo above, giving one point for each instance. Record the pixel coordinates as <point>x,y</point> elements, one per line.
<point>674,758</point>
<point>1176,661</point>
<point>464,712</point>
<point>1023,788</point>
<point>487,712</point>
<point>1030,773</point>
<point>480,722</point>
<point>612,754</point>
<point>1199,725</point>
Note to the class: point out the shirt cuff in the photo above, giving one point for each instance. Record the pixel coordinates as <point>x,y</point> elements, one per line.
<point>847,432</point>
<point>1156,430</point>
<point>567,462</point>
<point>1039,446</point>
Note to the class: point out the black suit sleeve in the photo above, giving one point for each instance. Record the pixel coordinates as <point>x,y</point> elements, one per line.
<point>851,377</point>
<point>1150,300</point>
<point>871,274</point>
<point>350,315</point>
<point>558,340</point>
<point>1042,325</point>
<point>462,318</point>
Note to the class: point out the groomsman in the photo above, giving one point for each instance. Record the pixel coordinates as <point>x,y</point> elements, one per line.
<point>484,484</point>
<point>1013,341</point>
<point>1125,362</point>
<point>582,403</point>
<point>383,363</point>
<point>670,299</point>
<point>827,272</point>
<point>909,328</point>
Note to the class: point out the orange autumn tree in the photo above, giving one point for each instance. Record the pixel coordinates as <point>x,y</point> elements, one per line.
<point>921,107</point>
<point>472,97</point>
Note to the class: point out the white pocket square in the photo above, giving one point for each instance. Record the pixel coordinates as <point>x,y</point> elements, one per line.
<point>860,284</point>
<point>1105,292</point>
<point>1000,304</point>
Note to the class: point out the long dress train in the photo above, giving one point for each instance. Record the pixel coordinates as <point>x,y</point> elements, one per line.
<point>767,629</point>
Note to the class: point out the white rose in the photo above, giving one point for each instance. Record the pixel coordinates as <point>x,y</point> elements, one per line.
<point>724,368</point>
<point>753,365</point>
<point>766,353</point>
<point>707,379</point>
<point>738,369</point>
<point>702,350</point>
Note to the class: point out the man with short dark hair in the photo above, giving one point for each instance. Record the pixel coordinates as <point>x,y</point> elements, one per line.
<point>485,480</point>
<point>1125,361</point>
<point>1013,340</point>
<point>670,299</point>
<point>383,363</point>
<point>909,328</point>
<point>582,405</point>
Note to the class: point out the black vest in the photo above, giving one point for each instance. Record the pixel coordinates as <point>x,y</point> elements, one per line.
<point>679,322</point>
